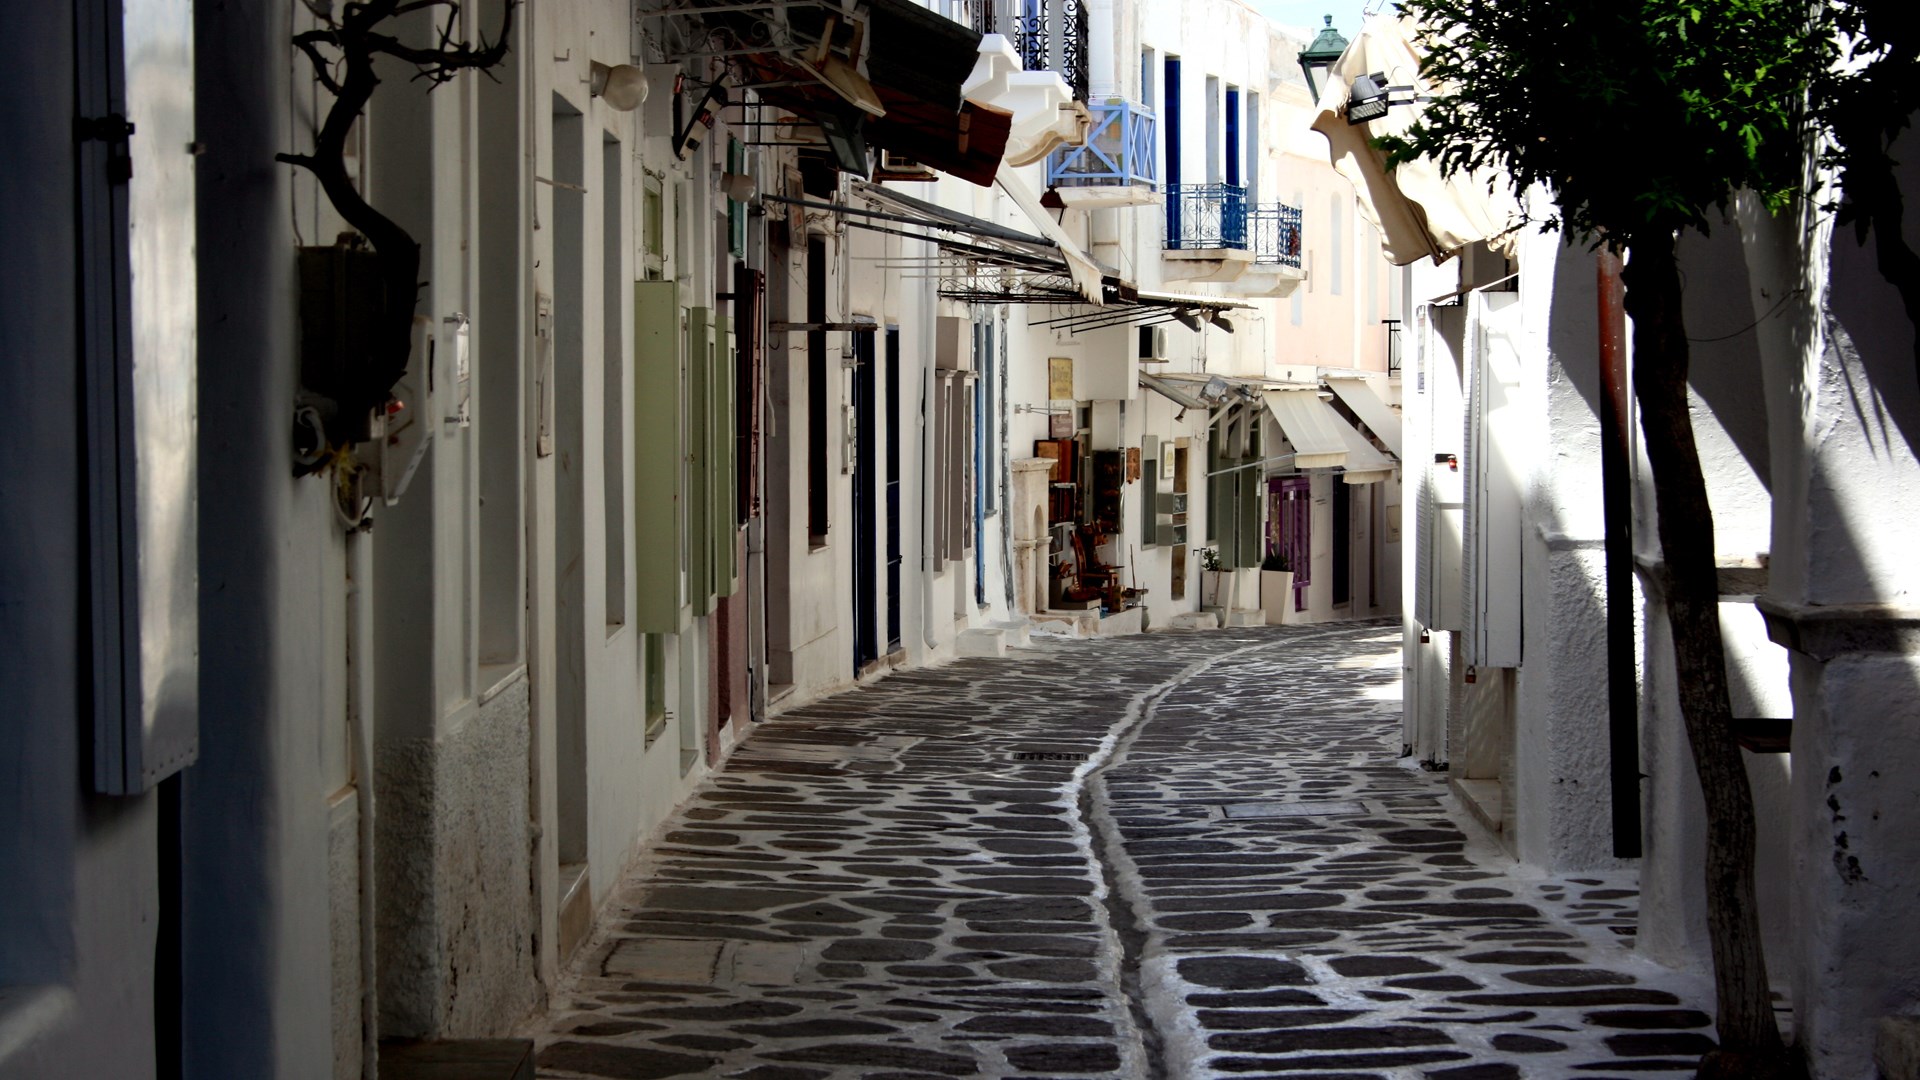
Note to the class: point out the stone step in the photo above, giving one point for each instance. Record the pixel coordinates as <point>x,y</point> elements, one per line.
<point>981,641</point>
<point>1067,623</point>
<point>1194,620</point>
<point>457,1059</point>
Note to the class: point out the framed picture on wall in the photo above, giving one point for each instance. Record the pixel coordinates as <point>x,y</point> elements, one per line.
<point>1060,378</point>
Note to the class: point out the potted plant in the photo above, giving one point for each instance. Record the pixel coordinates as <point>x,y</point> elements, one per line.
<point>1211,575</point>
<point>1276,587</point>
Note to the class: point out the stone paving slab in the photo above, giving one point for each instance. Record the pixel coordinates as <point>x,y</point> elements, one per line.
<point>1077,861</point>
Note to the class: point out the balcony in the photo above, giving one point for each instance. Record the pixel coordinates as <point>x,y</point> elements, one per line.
<point>1116,165</point>
<point>1214,234</point>
<point>1273,229</point>
<point>1206,217</point>
<point>1049,35</point>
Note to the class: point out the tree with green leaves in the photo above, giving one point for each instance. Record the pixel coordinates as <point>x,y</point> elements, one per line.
<point>1641,119</point>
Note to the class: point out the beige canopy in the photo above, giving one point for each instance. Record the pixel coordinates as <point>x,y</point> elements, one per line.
<point>1419,213</point>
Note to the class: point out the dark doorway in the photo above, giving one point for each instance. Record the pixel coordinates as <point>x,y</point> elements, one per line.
<point>1293,504</point>
<point>865,569</point>
<point>893,489</point>
<point>1342,541</point>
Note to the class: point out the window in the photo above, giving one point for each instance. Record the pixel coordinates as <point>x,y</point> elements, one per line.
<point>653,219</point>
<point>655,693</point>
<point>1336,243</point>
<point>613,409</point>
<point>736,211</point>
<point>986,399</point>
<point>1213,130</point>
<point>1146,77</point>
<point>1250,148</point>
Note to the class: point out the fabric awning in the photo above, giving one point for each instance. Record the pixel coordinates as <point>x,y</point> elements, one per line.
<point>913,61</point>
<point>1365,463</point>
<point>1173,391</point>
<point>1418,212</point>
<point>1086,274</point>
<point>1312,428</point>
<point>1376,414</point>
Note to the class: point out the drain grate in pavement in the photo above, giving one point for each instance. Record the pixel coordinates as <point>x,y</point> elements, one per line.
<point>1291,809</point>
<point>1047,755</point>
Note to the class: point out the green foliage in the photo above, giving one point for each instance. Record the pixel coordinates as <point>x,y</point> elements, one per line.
<point>1638,116</point>
<point>1276,560</point>
<point>1867,96</point>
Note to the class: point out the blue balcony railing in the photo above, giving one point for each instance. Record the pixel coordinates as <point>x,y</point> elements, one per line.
<point>1273,230</point>
<point>1206,216</point>
<point>1119,150</point>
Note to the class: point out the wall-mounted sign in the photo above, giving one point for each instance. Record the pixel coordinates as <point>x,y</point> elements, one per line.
<point>1060,378</point>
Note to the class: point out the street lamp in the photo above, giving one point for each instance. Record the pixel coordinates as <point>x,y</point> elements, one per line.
<point>1320,56</point>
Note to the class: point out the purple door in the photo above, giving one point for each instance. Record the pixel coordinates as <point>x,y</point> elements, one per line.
<point>1289,529</point>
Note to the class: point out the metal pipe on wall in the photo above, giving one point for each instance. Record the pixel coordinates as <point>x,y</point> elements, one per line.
<point>1623,704</point>
<point>360,687</point>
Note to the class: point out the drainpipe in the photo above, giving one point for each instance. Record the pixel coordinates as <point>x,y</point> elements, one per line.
<point>360,667</point>
<point>1623,719</point>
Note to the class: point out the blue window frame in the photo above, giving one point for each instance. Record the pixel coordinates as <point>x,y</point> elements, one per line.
<point>1232,147</point>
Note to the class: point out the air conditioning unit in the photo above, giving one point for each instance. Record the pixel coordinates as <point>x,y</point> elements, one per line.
<point>897,167</point>
<point>1153,345</point>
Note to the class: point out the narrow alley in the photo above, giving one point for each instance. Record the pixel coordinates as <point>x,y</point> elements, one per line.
<point>1169,855</point>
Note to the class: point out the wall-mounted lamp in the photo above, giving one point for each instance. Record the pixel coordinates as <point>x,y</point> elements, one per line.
<point>622,87</point>
<point>1320,56</point>
<point>738,186</point>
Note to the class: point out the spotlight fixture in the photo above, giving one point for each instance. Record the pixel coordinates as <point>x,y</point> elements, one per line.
<point>1371,97</point>
<point>1187,319</point>
<point>622,87</point>
<point>1221,322</point>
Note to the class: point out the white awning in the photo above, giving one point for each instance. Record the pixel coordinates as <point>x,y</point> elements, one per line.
<point>1173,391</point>
<point>1365,463</point>
<point>1418,211</point>
<point>1312,428</point>
<point>1376,414</point>
<point>1086,274</point>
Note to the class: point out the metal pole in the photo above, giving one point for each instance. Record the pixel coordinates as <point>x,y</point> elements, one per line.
<point>1623,696</point>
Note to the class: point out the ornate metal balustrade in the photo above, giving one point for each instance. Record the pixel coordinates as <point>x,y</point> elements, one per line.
<point>1049,35</point>
<point>1274,233</point>
<point>1119,150</point>
<point>1206,216</point>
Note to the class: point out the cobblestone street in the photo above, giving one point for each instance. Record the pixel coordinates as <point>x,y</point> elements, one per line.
<point>1183,854</point>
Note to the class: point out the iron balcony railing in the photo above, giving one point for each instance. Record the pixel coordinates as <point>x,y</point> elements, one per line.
<point>1049,35</point>
<point>1274,234</point>
<point>1206,216</point>
<point>1119,150</point>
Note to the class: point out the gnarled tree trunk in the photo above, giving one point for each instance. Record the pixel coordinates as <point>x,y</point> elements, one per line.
<point>1750,1044</point>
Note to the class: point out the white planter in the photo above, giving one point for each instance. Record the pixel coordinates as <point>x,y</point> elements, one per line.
<point>1213,590</point>
<point>1276,595</point>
